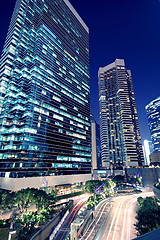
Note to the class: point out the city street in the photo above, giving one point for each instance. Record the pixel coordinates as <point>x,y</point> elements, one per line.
<point>65,228</point>
<point>120,222</point>
<point>114,220</point>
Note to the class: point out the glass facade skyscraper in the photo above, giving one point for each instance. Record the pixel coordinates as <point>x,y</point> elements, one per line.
<point>120,135</point>
<point>45,93</point>
<point>153,114</point>
<point>146,151</point>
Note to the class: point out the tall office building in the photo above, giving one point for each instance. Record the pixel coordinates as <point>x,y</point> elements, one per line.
<point>45,102</point>
<point>146,151</point>
<point>96,145</point>
<point>153,114</point>
<point>120,135</point>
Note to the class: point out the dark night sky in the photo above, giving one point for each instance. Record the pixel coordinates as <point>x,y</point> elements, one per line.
<point>128,29</point>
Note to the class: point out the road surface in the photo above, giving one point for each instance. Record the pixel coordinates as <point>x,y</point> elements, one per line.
<point>65,228</point>
<point>114,219</point>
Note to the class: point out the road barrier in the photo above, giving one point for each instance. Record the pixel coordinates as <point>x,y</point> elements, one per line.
<point>58,226</point>
<point>48,228</point>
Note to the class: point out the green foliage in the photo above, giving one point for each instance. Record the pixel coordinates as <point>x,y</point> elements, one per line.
<point>111,184</point>
<point>140,200</point>
<point>157,185</point>
<point>139,180</point>
<point>30,220</point>
<point>27,221</point>
<point>147,215</point>
<point>118,179</point>
<point>24,198</point>
<point>41,199</point>
<point>4,223</point>
<point>90,202</point>
<point>94,200</point>
<point>107,194</point>
<point>92,185</point>
<point>9,198</point>
<point>135,180</point>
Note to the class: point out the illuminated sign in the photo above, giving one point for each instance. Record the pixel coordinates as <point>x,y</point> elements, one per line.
<point>102,172</point>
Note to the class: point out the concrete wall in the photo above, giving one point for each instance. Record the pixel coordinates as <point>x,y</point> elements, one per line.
<point>46,231</point>
<point>149,175</point>
<point>156,192</point>
<point>16,184</point>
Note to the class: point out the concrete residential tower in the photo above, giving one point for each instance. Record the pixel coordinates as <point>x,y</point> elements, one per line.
<point>96,146</point>
<point>120,135</point>
<point>45,94</point>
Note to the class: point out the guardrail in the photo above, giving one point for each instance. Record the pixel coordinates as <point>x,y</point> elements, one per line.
<point>156,191</point>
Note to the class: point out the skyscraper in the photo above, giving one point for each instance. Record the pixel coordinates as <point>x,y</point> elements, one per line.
<point>153,114</point>
<point>146,151</point>
<point>96,145</point>
<point>45,102</point>
<point>120,135</point>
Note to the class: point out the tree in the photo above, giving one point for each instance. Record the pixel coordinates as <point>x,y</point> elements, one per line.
<point>92,185</point>
<point>27,221</point>
<point>42,199</point>
<point>147,215</point>
<point>24,198</point>
<point>110,184</point>
<point>52,197</point>
<point>135,180</point>
<point>9,198</point>
<point>140,200</point>
<point>118,179</point>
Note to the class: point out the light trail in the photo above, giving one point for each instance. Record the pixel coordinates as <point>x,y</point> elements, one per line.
<point>117,219</point>
<point>113,219</point>
<point>69,216</point>
<point>81,202</point>
<point>97,214</point>
<point>124,221</point>
<point>97,220</point>
<point>128,201</point>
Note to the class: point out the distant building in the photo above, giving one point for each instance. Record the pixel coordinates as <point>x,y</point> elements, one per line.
<point>147,152</point>
<point>155,158</point>
<point>120,135</point>
<point>45,94</point>
<point>153,114</point>
<point>96,145</point>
